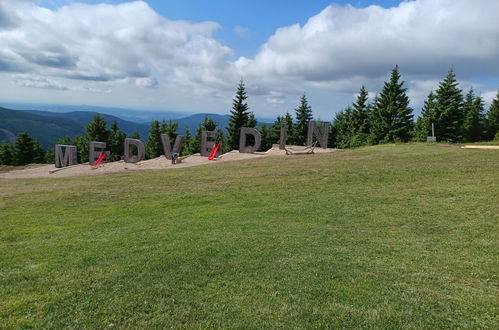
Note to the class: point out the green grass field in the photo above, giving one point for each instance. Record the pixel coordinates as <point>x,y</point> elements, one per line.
<point>393,236</point>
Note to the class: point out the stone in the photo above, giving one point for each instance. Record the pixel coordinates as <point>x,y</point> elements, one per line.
<point>167,147</point>
<point>321,135</point>
<point>129,156</point>
<point>206,145</point>
<point>243,148</point>
<point>94,150</point>
<point>65,155</point>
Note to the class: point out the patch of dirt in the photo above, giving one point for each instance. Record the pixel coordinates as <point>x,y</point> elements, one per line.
<point>160,163</point>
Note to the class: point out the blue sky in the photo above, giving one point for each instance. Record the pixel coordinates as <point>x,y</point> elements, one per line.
<point>189,55</point>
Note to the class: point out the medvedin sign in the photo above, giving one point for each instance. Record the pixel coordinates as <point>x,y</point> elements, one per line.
<point>65,155</point>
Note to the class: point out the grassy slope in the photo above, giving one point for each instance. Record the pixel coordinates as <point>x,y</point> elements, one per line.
<point>388,236</point>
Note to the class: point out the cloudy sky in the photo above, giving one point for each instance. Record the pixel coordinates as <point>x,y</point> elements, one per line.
<point>189,55</point>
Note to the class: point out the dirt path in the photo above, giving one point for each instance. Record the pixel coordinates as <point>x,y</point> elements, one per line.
<point>160,163</point>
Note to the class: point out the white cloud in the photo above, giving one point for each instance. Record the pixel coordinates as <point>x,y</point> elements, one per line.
<point>108,43</point>
<point>38,82</point>
<point>423,37</point>
<point>130,50</point>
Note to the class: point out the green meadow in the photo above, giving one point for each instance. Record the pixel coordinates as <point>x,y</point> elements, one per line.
<point>391,236</point>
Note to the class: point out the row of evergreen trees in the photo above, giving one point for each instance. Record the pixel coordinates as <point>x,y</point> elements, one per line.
<point>388,118</point>
<point>24,150</point>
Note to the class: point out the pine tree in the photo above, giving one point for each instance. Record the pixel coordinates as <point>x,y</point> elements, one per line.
<point>303,116</point>
<point>81,142</point>
<point>392,114</point>
<point>187,149</point>
<point>360,119</point>
<point>97,130</point>
<point>39,153</point>
<point>493,119</point>
<point>251,120</point>
<point>422,129</point>
<point>266,137</point>
<point>135,135</point>
<point>154,147</point>
<point>6,154</point>
<point>449,118</point>
<point>207,125</point>
<point>116,141</point>
<point>239,117</point>
<point>288,120</point>
<point>24,149</point>
<point>474,119</point>
<point>275,130</point>
<point>342,129</point>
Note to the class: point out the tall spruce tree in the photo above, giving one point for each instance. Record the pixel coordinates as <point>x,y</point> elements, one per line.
<point>97,130</point>
<point>342,129</point>
<point>208,124</point>
<point>116,141</point>
<point>360,119</point>
<point>392,114</point>
<point>24,149</point>
<point>422,129</point>
<point>239,116</point>
<point>6,154</point>
<point>187,148</point>
<point>303,116</point>
<point>474,117</point>
<point>449,117</point>
<point>493,119</point>
<point>154,147</point>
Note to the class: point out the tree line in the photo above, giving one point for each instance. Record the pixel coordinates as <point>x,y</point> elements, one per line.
<point>386,119</point>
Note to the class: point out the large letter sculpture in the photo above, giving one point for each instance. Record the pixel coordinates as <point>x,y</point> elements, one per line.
<point>94,151</point>
<point>207,146</point>
<point>243,148</point>
<point>65,155</point>
<point>129,156</point>
<point>167,146</point>
<point>282,137</point>
<point>322,137</point>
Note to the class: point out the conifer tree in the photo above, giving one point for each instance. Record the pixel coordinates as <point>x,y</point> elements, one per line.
<point>303,116</point>
<point>342,129</point>
<point>6,154</point>
<point>81,142</point>
<point>24,149</point>
<point>449,118</point>
<point>208,124</point>
<point>239,117</point>
<point>392,114</point>
<point>422,128</point>
<point>154,147</point>
<point>97,130</point>
<point>116,141</point>
<point>474,118</point>
<point>187,149</point>
<point>170,128</point>
<point>493,119</point>
<point>288,120</point>
<point>360,119</point>
<point>266,137</point>
<point>275,130</point>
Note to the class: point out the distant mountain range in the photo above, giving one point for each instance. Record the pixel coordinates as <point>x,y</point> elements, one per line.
<point>137,116</point>
<point>47,126</point>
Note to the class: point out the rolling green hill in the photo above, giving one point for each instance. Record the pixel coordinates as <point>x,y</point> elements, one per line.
<point>47,126</point>
<point>386,237</point>
<point>45,129</point>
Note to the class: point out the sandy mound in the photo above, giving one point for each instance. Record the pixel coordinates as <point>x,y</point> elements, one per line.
<point>160,163</point>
